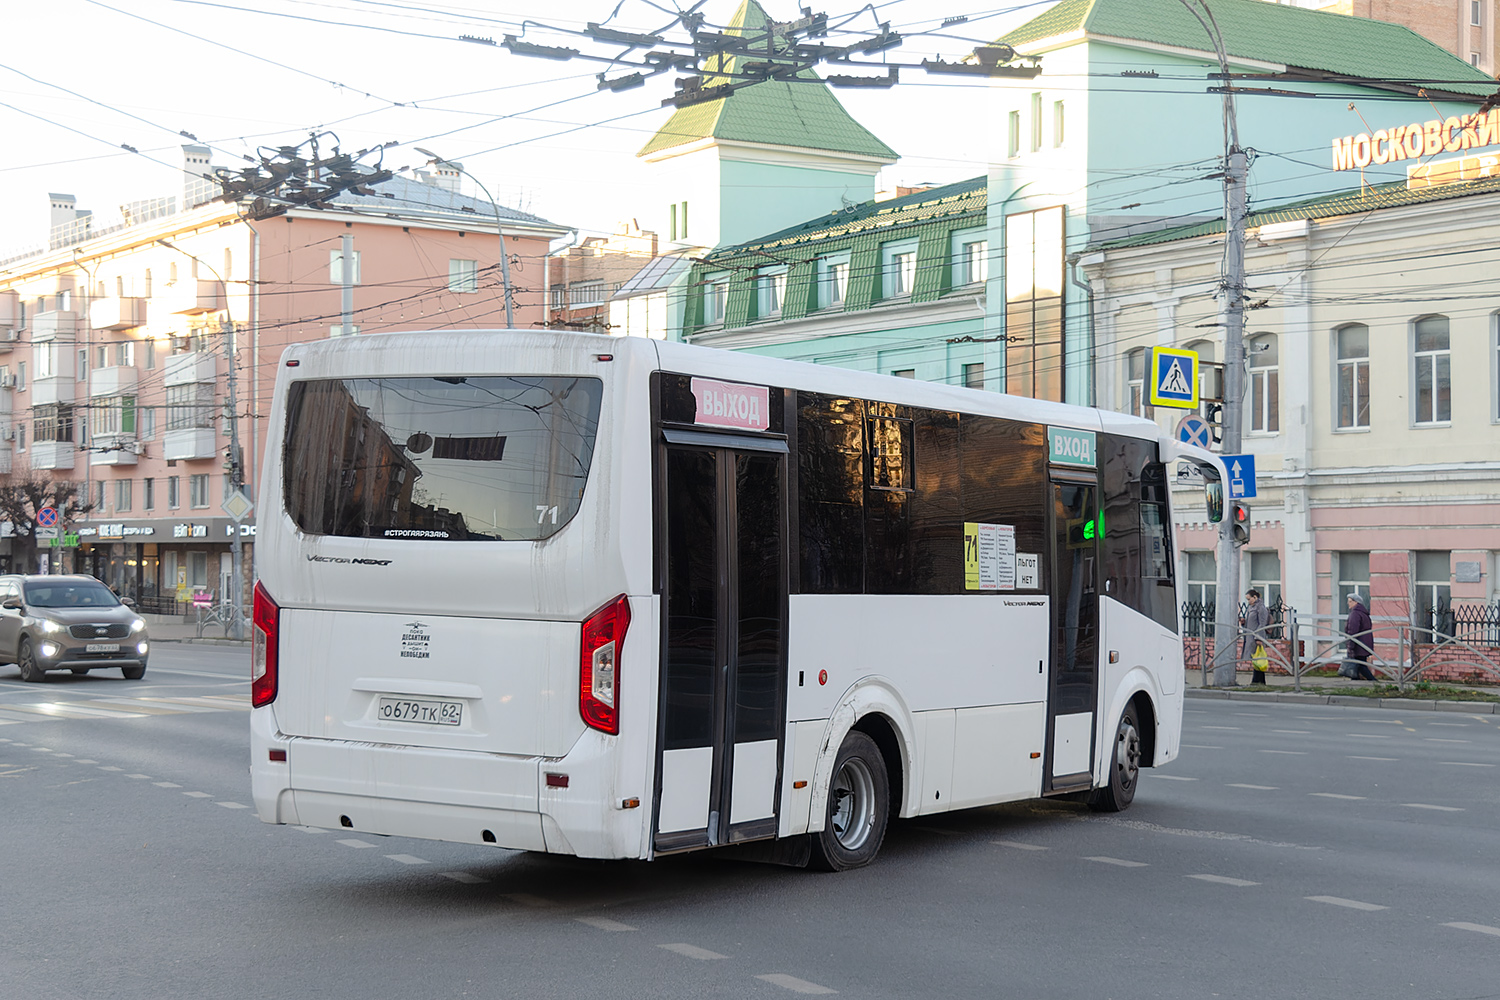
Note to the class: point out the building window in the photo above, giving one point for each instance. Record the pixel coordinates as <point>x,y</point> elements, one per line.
<point>123,491</point>
<point>336,267</point>
<point>149,346</point>
<point>682,227</point>
<point>585,293</point>
<point>115,416</point>
<point>198,490</point>
<point>46,360</point>
<point>1034,304</point>
<point>1434,593</point>
<point>1202,579</point>
<point>905,373</point>
<point>21,437</point>
<point>1036,122</point>
<point>1265,576</point>
<point>1265,385</point>
<point>229,266</point>
<point>99,495</point>
<point>147,419</point>
<point>1432,371</point>
<point>20,375</point>
<point>970,252</point>
<point>1353,577</point>
<point>463,275</point>
<point>770,293</point>
<point>190,406</point>
<point>146,283</point>
<point>898,269</point>
<point>148,494</point>
<point>1013,135</point>
<point>1353,376</point>
<point>833,281</point>
<point>715,298</point>
<point>83,363</point>
<point>1136,363</point>
<point>1475,17</point>
<point>1058,122</point>
<point>672,221</point>
<point>125,354</point>
<point>974,375</point>
<point>174,492</point>
<point>54,422</point>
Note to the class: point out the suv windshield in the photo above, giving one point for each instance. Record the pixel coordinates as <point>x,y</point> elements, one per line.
<point>489,458</point>
<point>74,594</point>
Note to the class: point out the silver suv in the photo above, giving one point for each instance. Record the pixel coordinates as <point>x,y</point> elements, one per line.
<point>69,623</point>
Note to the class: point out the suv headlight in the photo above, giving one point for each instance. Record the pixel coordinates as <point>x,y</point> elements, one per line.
<point>49,626</point>
<point>137,625</point>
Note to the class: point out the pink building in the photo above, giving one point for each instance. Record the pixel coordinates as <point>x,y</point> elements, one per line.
<point>117,340</point>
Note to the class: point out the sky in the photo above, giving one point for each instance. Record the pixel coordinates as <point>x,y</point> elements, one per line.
<point>241,75</point>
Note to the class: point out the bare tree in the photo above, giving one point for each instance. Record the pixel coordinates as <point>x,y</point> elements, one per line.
<point>21,498</point>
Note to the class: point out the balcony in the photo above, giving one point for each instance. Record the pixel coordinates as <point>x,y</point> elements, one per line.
<point>189,367</point>
<point>190,296</point>
<point>52,454</point>
<point>54,324</point>
<point>113,449</point>
<point>117,314</point>
<point>113,381</point>
<point>6,460</point>
<point>189,443</point>
<point>8,396</point>
<point>56,389</point>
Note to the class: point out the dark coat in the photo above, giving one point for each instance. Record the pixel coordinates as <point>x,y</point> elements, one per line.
<point>1361,632</point>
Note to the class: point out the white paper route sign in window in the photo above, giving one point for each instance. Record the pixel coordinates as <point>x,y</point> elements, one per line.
<point>989,556</point>
<point>731,404</point>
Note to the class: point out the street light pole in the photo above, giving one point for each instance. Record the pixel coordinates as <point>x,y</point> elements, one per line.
<point>236,463</point>
<point>1225,629</point>
<point>438,161</point>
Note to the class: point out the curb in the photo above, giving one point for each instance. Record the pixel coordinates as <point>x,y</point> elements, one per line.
<point>206,641</point>
<point>1307,698</point>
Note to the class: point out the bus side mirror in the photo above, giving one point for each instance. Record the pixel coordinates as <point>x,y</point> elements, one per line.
<point>1213,495</point>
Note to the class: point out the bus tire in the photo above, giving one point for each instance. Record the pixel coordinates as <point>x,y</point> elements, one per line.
<point>1124,767</point>
<point>858,808</point>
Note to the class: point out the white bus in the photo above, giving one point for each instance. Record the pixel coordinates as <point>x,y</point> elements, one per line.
<point>622,598</point>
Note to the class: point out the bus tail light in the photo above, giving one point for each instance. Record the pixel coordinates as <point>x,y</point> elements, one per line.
<point>598,690</point>
<point>265,626</point>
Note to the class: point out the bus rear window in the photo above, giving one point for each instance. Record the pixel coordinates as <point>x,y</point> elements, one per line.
<point>486,459</point>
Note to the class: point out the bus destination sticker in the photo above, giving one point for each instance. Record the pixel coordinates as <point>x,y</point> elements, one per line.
<point>989,556</point>
<point>730,404</point>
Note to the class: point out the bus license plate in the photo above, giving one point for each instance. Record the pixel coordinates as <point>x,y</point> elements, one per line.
<point>432,713</point>
<point>103,647</point>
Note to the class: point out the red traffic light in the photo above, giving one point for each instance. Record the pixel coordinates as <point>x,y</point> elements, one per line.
<point>1239,519</point>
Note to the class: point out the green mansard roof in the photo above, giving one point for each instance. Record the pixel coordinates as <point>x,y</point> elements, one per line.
<point>805,115</point>
<point>1297,38</point>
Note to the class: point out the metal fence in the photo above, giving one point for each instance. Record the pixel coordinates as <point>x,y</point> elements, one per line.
<point>1198,619</point>
<point>1477,624</point>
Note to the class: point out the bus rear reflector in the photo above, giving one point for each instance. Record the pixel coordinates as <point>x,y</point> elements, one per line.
<point>598,688</point>
<point>265,626</point>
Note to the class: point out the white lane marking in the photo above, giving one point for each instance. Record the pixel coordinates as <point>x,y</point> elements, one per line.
<point>1223,880</point>
<point>197,795</point>
<point>1197,746</point>
<point>408,859</point>
<point>61,754</point>
<point>41,749</point>
<point>1135,824</point>
<point>1336,795</point>
<point>1451,725</point>
<point>604,923</point>
<point>59,711</point>
<point>1172,777</point>
<point>1253,715</point>
<point>232,805</point>
<point>1293,753</point>
<point>1366,736</point>
<point>309,829</point>
<point>1385,722</point>
<point>1357,757</point>
<point>82,760</point>
<point>1118,861</point>
<point>527,899</point>
<point>1293,732</point>
<point>1423,805</point>
<point>139,777</point>
<point>193,702</point>
<point>794,984</point>
<point>1220,727</point>
<point>1258,788</point>
<point>1352,904</point>
<point>355,843</point>
<point>1018,845</point>
<point>110,767</point>
<point>693,951</point>
<point>166,784</point>
<point>464,877</point>
<point>1464,763</point>
<point>1439,739</point>
<point>1477,928</point>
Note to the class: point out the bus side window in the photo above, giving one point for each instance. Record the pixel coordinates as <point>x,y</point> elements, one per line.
<point>831,494</point>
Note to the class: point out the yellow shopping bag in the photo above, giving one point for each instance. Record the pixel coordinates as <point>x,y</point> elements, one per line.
<point>1258,659</point>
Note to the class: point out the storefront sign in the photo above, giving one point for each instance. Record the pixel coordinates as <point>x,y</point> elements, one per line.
<point>65,542</point>
<point>189,531</point>
<point>1453,134</point>
<point>114,532</point>
<point>246,530</point>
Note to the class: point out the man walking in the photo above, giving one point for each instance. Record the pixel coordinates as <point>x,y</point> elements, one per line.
<point>1361,632</point>
<point>1252,644</point>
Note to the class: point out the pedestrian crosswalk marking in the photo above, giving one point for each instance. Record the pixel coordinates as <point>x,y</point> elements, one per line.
<point>120,708</point>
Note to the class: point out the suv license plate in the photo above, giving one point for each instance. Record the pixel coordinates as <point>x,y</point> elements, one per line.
<point>432,713</point>
<point>103,647</point>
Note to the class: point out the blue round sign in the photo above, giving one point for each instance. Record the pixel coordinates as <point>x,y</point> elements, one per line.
<point>1193,429</point>
<point>47,517</point>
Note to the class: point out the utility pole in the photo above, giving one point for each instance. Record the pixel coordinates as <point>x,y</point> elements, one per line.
<point>346,273</point>
<point>1226,619</point>
<point>236,470</point>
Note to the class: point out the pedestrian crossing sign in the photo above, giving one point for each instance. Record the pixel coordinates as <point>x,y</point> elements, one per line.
<point>1174,378</point>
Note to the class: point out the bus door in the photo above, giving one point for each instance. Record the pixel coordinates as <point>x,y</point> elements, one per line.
<point>1076,525</point>
<point>721,536</point>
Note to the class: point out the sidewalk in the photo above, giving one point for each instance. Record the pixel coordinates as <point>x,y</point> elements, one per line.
<point>1329,691</point>
<point>171,628</point>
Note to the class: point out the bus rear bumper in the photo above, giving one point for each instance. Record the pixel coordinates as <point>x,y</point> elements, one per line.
<point>451,795</point>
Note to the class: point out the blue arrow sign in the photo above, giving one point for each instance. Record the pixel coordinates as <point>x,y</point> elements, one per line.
<point>1241,476</point>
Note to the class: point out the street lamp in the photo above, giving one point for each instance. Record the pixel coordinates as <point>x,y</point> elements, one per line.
<point>438,161</point>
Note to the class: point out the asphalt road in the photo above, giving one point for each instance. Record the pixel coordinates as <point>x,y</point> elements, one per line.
<point>1290,852</point>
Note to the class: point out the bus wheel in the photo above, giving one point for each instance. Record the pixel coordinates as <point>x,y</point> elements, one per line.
<point>858,808</point>
<point>1124,767</point>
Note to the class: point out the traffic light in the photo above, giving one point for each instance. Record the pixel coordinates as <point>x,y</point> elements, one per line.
<point>1240,522</point>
